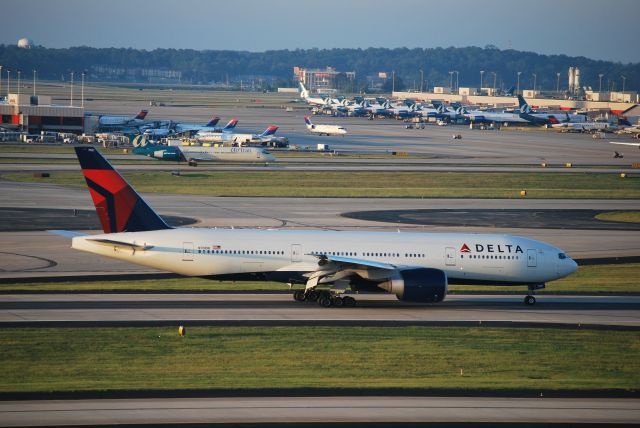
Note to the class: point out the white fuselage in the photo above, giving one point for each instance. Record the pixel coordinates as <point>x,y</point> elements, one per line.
<point>240,154</point>
<point>327,129</point>
<point>466,258</point>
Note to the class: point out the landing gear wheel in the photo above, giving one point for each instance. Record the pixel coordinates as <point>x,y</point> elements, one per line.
<point>338,302</point>
<point>312,295</point>
<point>529,300</point>
<point>325,302</point>
<point>349,301</point>
<point>299,296</point>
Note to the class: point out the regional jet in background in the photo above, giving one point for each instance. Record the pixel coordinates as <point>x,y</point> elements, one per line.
<point>122,121</point>
<point>324,129</point>
<point>195,154</point>
<point>416,267</point>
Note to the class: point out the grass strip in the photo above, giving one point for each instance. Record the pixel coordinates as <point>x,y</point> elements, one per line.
<point>369,184</point>
<point>102,359</point>
<point>618,278</point>
<point>621,216</point>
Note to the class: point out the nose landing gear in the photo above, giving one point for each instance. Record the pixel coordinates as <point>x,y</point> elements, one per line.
<point>529,299</point>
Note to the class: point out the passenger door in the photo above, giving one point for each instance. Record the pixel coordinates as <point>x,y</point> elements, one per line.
<point>187,251</point>
<point>296,253</point>
<point>532,260</point>
<point>450,256</point>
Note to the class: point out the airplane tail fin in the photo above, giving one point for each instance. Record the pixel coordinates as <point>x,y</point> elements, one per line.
<point>270,131</point>
<point>119,207</point>
<point>232,124</point>
<point>142,114</point>
<point>524,107</point>
<point>214,121</point>
<point>303,91</point>
<point>308,121</point>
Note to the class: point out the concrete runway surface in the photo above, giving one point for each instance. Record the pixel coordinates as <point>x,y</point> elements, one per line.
<point>124,309</point>
<point>327,410</point>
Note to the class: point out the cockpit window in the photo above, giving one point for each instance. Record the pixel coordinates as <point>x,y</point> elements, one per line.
<point>562,256</point>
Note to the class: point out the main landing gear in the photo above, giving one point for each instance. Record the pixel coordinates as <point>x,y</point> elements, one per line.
<point>529,299</point>
<point>324,298</point>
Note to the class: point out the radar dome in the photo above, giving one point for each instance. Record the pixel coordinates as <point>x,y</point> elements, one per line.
<point>25,43</point>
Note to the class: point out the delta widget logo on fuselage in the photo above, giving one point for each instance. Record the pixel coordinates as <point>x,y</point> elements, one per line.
<point>493,248</point>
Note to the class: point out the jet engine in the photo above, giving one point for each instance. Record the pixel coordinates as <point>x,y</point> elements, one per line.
<point>169,155</point>
<point>421,285</point>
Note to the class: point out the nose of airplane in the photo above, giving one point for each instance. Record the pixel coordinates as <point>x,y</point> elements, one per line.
<point>567,267</point>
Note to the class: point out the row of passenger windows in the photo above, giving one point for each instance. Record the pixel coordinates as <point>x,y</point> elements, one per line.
<point>274,252</point>
<point>474,256</point>
<point>366,254</point>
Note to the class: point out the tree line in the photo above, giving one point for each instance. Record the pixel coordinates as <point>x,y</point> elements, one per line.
<point>412,68</point>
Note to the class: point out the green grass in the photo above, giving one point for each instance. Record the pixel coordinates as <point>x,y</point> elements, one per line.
<point>99,359</point>
<point>618,278</point>
<point>370,184</point>
<point>595,279</point>
<point>621,216</point>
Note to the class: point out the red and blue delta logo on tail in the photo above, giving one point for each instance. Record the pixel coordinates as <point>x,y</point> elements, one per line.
<point>119,207</point>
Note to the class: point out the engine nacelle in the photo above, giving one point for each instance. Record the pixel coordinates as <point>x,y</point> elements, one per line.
<point>166,155</point>
<point>422,285</point>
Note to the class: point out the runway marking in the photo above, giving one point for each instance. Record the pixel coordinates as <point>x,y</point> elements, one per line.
<point>50,263</point>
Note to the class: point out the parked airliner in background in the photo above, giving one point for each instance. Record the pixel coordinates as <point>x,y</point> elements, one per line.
<point>208,131</point>
<point>324,129</point>
<point>416,267</point>
<point>136,120</point>
<point>238,138</point>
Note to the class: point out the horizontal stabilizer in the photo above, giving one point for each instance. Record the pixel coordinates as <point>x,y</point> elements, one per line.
<point>112,242</point>
<point>67,233</point>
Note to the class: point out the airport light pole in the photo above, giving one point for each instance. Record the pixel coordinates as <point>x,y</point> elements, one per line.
<point>600,85</point>
<point>19,72</point>
<point>518,84</point>
<point>421,78</point>
<point>481,78</point>
<point>557,83</point>
<point>393,81</point>
<point>451,81</point>
<point>72,89</point>
<point>8,83</point>
<point>495,76</point>
<point>34,82</point>
<point>624,80</point>
<point>535,78</point>
<point>82,91</point>
<point>457,80</point>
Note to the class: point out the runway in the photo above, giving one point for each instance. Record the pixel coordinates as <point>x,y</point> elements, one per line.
<point>324,410</point>
<point>259,309</point>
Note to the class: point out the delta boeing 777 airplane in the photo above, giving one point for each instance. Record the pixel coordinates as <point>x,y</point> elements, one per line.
<point>416,267</point>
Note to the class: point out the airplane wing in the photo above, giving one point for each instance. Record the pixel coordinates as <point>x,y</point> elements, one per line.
<point>625,144</point>
<point>332,269</point>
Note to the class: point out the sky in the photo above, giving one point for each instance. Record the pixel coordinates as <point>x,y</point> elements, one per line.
<point>597,29</point>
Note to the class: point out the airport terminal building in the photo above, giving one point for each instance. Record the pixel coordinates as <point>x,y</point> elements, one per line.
<point>35,113</point>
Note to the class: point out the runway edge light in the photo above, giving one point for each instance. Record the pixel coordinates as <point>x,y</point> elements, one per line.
<point>182,331</point>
